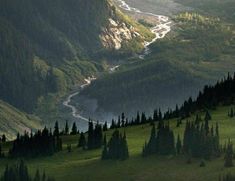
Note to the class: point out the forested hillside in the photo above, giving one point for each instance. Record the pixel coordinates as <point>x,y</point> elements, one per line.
<point>198,51</point>
<point>48,46</point>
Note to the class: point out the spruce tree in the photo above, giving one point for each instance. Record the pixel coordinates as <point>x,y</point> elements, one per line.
<point>66,129</point>
<point>105,150</point>
<point>4,138</point>
<point>37,176</point>
<point>56,129</point>
<point>82,141</point>
<point>229,155</point>
<point>74,129</point>
<point>178,145</point>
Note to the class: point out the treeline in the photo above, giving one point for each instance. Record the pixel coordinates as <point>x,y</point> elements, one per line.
<point>211,96</point>
<point>42,143</point>
<point>19,172</point>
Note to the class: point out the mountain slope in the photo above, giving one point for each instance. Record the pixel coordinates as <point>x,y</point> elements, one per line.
<point>13,121</point>
<point>199,51</point>
<point>47,46</point>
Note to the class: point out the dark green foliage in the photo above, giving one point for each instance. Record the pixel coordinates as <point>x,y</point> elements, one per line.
<point>162,143</point>
<point>207,116</point>
<point>105,126</point>
<point>42,143</point>
<point>3,139</point>
<point>66,129</point>
<point>19,172</point>
<point>82,141</point>
<point>95,136</point>
<point>74,129</point>
<point>117,148</point>
<point>229,155</point>
<point>200,141</point>
<point>178,146</point>
<point>56,129</point>
<point>231,113</point>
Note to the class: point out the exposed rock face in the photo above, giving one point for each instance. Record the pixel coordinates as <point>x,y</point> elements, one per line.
<point>116,33</point>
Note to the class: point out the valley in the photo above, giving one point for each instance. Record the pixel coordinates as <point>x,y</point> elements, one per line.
<point>117,90</point>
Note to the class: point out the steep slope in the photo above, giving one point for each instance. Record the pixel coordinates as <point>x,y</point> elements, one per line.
<point>13,121</point>
<point>198,52</point>
<point>47,46</point>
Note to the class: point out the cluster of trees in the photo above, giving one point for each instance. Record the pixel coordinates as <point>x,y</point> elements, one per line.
<point>211,96</point>
<point>42,143</point>
<point>74,130</point>
<point>94,137</point>
<point>123,121</point>
<point>19,172</point>
<point>162,142</point>
<point>116,148</point>
<point>201,140</point>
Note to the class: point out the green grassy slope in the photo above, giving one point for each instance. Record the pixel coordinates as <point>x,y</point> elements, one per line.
<point>13,121</point>
<point>86,165</point>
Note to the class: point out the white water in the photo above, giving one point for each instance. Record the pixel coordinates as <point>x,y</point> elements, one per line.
<point>67,102</point>
<point>160,30</point>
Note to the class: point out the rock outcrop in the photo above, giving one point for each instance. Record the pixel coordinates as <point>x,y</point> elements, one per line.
<point>116,33</point>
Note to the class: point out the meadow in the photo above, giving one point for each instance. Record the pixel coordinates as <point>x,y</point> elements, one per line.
<point>87,165</point>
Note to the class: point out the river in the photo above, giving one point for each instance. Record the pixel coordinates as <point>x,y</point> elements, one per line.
<point>160,30</point>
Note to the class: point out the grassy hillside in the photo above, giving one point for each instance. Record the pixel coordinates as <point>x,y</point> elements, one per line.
<point>86,165</point>
<point>13,121</point>
<point>199,50</point>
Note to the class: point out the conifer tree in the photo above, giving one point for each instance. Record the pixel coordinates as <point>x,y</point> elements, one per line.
<point>105,150</point>
<point>178,145</point>
<point>82,141</point>
<point>4,138</point>
<point>37,176</point>
<point>66,129</point>
<point>105,126</point>
<point>229,155</point>
<point>74,130</point>
<point>56,129</point>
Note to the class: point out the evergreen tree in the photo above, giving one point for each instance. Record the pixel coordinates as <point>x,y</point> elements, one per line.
<point>37,176</point>
<point>105,155</point>
<point>178,145</point>
<point>56,129</point>
<point>4,138</point>
<point>74,130</point>
<point>66,129</point>
<point>229,155</point>
<point>207,116</point>
<point>82,141</point>
<point>105,126</point>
